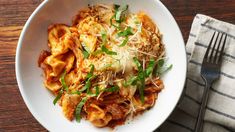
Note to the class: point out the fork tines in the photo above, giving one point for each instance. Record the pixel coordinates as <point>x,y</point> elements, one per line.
<point>214,55</point>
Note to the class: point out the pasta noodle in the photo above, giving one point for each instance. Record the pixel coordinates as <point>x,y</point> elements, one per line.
<point>105,67</point>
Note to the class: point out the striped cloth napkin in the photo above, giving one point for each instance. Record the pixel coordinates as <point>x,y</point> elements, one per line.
<point>220,112</point>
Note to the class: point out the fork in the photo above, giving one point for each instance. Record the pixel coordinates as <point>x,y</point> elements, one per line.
<point>210,71</point>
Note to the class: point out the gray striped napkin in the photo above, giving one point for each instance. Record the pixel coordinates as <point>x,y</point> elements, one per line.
<point>220,112</point>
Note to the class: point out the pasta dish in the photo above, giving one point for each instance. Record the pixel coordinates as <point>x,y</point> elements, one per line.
<point>106,67</point>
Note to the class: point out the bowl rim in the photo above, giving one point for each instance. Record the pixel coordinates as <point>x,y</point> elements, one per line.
<point>18,52</point>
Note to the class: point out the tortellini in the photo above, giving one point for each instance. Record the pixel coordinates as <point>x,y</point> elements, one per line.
<point>56,36</point>
<point>94,67</point>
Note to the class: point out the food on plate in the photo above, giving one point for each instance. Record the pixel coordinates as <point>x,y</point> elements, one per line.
<point>106,66</point>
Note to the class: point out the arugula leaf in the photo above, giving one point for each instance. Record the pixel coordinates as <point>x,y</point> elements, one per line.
<point>124,42</point>
<point>79,109</point>
<point>58,96</point>
<point>112,89</point>
<point>85,54</point>
<point>109,52</point>
<point>126,32</point>
<point>132,81</point>
<point>150,67</point>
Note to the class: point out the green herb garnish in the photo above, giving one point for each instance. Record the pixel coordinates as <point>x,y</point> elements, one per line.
<point>124,42</point>
<point>58,96</point>
<point>97,90</point>
<point>104,37</point>
<point>80,105</point>
<point>63,82</point>
<point>90,74</point>
<point>87,86</point>
<point>85,54</point>
<point>103,48</point>
<point>141,85</point>
<point>150,67</point>
<point>112,24</point>
<point>132,81</point>
<point>76,92</point>
<point>111,19</point>
<point>89,77</point>
<point>79,109</point>
<point>136,61</point>
<point>141,79</point>
<point>106,66</point>
<point>126,32</point>
<point>118,15</point>
<point>112,89</point>
<point>164,69</point>
<point>96,52</point>
<point>64,86</point>
<point>161,68</point>
<point>116,6</point>
<point>160,62</point>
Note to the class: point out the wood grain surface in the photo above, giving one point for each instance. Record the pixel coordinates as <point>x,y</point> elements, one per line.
<point>14,115</point>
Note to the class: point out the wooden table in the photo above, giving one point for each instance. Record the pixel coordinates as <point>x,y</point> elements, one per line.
<point>14,115</point>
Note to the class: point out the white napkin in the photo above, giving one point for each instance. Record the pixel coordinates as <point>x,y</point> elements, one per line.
<point>220,112</point>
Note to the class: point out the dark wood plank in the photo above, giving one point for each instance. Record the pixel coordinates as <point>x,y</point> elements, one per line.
<point>16,12</point>
<point>14,115</point>
<point>185,10</point>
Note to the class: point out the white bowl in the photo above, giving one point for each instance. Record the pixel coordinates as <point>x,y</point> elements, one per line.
<point>38,99</point>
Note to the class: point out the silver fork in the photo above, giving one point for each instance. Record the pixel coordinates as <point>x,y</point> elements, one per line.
<point>210,71</point>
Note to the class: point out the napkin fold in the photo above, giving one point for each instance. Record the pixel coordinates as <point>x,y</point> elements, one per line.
<point>220,112</point>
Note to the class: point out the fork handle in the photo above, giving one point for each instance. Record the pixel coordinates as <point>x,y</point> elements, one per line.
<point>199,123</point>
